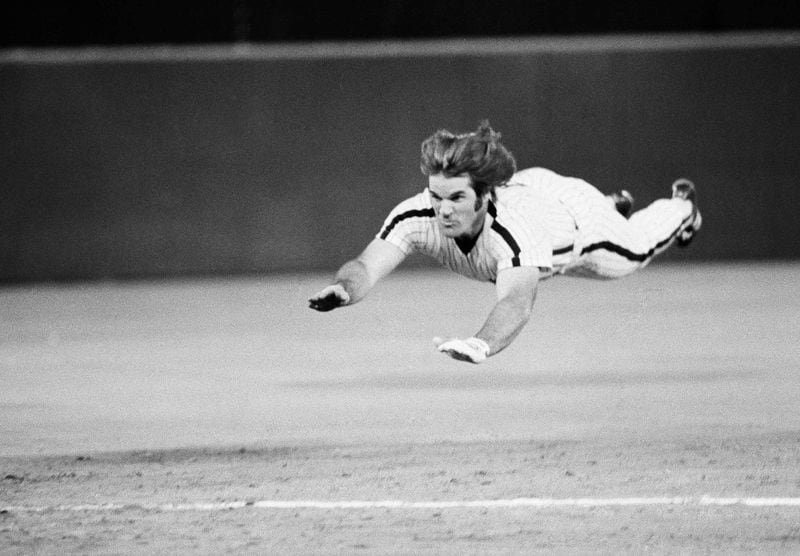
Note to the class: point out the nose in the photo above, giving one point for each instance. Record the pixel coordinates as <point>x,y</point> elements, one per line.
<point>446,208</point>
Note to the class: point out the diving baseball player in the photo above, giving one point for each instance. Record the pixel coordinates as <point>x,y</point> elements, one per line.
<point>482,219</point>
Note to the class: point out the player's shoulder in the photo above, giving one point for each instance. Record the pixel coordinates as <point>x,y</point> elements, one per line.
<point>513,234</point>
<point>510,215</point>
<point>521,217</point>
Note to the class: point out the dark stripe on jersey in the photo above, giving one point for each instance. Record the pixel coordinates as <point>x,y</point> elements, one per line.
<point>402,216</point>
<point>630,255</point>
<point>505,234</point>
<point>563,250</point>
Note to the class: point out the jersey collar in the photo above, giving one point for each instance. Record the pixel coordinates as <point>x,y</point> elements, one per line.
<point>465,245</point>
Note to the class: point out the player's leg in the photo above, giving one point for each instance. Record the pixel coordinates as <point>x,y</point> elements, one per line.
<point>669,213</point>
<point>613,246</point>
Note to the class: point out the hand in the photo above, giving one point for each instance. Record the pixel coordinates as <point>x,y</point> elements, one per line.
<point>473,350</point>
<point>329,298</point>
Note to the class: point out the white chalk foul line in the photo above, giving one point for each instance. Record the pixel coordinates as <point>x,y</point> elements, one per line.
<point>541,503</point>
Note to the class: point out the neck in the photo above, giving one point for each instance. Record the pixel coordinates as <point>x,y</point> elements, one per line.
<point>467,241</point>
<point>477,226</point>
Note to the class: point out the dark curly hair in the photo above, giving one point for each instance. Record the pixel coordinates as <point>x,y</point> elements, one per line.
<point>478,154</point>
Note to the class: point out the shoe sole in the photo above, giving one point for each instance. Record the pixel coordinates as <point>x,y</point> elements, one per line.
<point>687,235</point>
<point>689,193</point>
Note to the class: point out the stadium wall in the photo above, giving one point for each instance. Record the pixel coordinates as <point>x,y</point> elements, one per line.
<point>256,159</point>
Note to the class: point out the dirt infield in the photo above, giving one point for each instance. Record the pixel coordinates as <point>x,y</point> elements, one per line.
<point>167,417</point>
<point>145,481</point>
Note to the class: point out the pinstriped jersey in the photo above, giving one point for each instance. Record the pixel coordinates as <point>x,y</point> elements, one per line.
<point>523,227</point>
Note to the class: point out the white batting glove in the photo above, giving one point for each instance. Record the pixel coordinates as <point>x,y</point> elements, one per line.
<point>329,298</point>
<point>473,350</point>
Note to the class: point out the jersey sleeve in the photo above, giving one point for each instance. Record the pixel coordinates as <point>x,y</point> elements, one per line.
<point>520,242</point>
<point>407,223</point>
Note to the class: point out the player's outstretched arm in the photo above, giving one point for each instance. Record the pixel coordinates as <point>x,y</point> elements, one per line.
<point>516,292</point>
<point>357,277</point>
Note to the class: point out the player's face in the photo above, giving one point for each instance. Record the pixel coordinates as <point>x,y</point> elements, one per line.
<point>459,211</point>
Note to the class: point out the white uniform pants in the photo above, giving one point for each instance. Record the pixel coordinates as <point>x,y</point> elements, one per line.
<point>606,244</point>
<point>610,246</point>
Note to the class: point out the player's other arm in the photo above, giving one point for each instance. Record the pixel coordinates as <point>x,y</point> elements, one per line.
<point>516,292</point>
<point>357,277</point>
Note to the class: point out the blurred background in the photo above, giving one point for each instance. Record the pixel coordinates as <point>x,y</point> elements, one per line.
<point>159,139</point>
<point>96,22</point>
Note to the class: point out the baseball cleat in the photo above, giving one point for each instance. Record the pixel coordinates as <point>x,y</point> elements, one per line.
<point>623,202</point>
<point>685,189</point>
